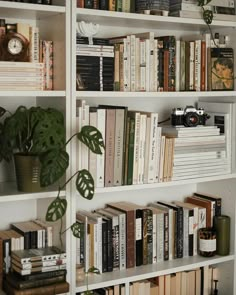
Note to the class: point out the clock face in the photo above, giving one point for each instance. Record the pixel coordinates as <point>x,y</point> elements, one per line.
<point>15,46</point>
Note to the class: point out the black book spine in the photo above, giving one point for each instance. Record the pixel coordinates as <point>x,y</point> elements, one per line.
<point>150,235</point>
<point>190,235</point>
<point>104,246</point>
<point>180,232</point>
<point>104,5</point>
<point>139,240</point>
<point>109,245</point>
<point>166,236</point>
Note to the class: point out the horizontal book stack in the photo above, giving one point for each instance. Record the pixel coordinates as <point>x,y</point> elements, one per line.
<point>21,76</point>
<point>22,236</point>
<point>95,67</point>
<point>199,151</point>
<point>124,234</point>
<point>37,269</point>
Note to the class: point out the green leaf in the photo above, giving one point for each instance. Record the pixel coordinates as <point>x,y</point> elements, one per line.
<point>48,129</point>
<point>77,229</point>
<point>201,3</point>
<point>56,209</point>
<point>94,270</point>
<point>85,184</point>
<point>2,111</point>
<point>53,166</point>
<point>92,138</point>
<point>208,16</point>
<point>88,292</point>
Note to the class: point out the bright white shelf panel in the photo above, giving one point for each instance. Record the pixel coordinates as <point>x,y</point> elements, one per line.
<point>9,193</point>
<point>163,184</point>
<point>151,270</point>
<point>25,93</point>
<point>121,94</point>
<point>28,11</point>
<point>124,19</point>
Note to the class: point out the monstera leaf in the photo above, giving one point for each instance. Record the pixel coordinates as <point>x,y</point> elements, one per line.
<point>208,16</point>
<point>56,210</point>
<point>85,184</point>
<point>77,229</point>
<point>48,129</point>
<point>92,138</point>
<point>53,166</point>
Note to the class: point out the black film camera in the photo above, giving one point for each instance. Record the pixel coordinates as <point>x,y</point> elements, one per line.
<point>189,116</point>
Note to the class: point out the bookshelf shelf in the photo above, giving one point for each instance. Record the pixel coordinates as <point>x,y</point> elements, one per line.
<point>164,184</point>
<point>32,93</point>
<point>119,94</point>
<point>29,11</point>
<point>147,271</point>
<point>9,193</point>
<point>143,21</point>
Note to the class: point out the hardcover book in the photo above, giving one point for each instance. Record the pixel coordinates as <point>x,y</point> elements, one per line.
<point>222,69</point>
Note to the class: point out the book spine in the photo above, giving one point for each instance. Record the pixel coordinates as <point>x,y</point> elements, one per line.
<point>117,67</point>
<point>131,151</point>
<point>191,65</point>
<point>150,235</point>
<point>109,147</point>
<point>166,237</point>
<point>145,236</point>
<point>132,63</point>
<point>138,237</point>
<point>34,44</point>
<point>160,237</point>
<point>109,245</point>
<point>180,232</point>
<point>104,246</point>
<point>115,242</point>
<point>101,123</point>
<point>185,233</point>
<point>122,241</point>
<point>142,65</point>
<point>191,232</point>
<point>136,147</point>
<point>147,52</point>
<point>154,238</point>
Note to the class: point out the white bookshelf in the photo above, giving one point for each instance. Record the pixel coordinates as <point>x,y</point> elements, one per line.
<point>58,22</point>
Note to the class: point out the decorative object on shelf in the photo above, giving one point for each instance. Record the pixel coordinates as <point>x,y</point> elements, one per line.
<point>34,132</point>
<point>87,29</point>
<point>14,47</point>
<point>207,241</point>
<point>222,227</point>
<point>153,7</point>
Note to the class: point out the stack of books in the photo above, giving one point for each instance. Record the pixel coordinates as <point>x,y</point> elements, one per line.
<point>95,67</point>
<point>199,151</point>
<point>21,76</point>
<point>37,269</point>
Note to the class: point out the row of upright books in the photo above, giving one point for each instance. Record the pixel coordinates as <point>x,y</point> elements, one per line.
<point>198,281</point>
<point>143,62</point>
<point>139,151</point>
<point>124,234</point>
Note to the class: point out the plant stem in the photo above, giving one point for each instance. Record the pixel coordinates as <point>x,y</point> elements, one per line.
<point>62,187</point>
<point>61,233</point>
<point>71,138</point>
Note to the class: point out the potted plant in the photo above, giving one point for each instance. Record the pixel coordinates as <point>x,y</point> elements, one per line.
<point>35,138</point>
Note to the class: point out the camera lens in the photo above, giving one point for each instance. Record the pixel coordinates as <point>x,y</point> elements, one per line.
<point>191,119</point>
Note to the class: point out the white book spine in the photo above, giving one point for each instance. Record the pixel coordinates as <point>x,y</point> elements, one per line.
<point>136,147</point>
<point>155,53</point>
<point>122,241</point>
<point>160,237</point>
<point>151,65</point>
<point>96,246</point>
<point>177,67</point>
<point>154,238</point>
<point>132,63</point>
<point>92,156</point>
<point>152,163</point>
<point>158,151</point>
<point>191,65</point>
<point>147,42</point>
<point>147,149</point>
<point>34,44</point>
<point>137,66</point>
<point>142,64</point>
<point>101,126</point>
<point>161,160</point>
<point>143,123</point>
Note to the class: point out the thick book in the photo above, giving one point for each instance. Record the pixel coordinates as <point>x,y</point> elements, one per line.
<point>43,254</point>
<point>56,288</point>
<point>17,282</point>
<point>216,199</point>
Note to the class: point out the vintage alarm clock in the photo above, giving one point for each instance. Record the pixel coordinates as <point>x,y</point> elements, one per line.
<point>14,47</point>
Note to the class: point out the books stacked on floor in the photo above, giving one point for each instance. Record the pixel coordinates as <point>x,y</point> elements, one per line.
<point>95,67</point>
<point>199,151</point>
<point>37,269</point>
<point>125,234</point>
<point>21,76</point>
